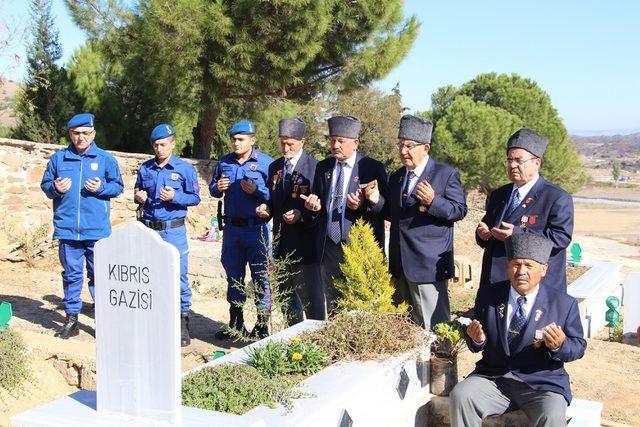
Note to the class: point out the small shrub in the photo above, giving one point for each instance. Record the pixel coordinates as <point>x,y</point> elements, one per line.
<point>13,360</point>
<point>236,389</point>
<point>28,243</point>
<point>296,357</point>
<point>367,283</point>
<point>364,335</point>
<point>450,339</point>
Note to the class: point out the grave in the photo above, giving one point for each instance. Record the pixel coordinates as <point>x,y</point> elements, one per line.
<point>138,359</point>
<point>137,338</point>
<point>591,290</point>
<point>631,302</point>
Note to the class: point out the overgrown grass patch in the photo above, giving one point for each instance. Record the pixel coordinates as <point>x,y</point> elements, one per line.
<point>236,389</point>
<point>367,336</point>
<point>14,362</point>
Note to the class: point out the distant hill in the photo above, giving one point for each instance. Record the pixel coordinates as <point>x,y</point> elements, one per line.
<point>8,90</point>
<point>616,146</point>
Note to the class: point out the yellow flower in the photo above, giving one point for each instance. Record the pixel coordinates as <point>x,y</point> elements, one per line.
<point>296,356</point>
<point>295,340</point>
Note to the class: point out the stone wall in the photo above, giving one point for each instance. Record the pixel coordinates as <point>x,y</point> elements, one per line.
<point>22,203</point>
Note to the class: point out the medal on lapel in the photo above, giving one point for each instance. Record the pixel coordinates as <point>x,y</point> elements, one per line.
<point>422,208</point>
<point>501,310</point>
<point>356,179</point>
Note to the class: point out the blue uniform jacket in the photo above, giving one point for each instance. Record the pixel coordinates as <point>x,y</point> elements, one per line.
<point>293,238</point>
<point>79,214</point>
<point>177,174</point>
<point>547,210</point>
<point>237,203</point>
<point>421,242</point>
<point>364,171</point>
<point>533,363</point>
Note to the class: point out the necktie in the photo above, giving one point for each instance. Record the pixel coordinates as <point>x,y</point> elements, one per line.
<point>405,191</point>
<point>513,203</point>
<point>288,167</point>
<point>517,322</point>
<point>335,227</point>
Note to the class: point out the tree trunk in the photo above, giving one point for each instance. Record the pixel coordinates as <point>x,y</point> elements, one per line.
<point>206,130</point>
<point>210,106</point>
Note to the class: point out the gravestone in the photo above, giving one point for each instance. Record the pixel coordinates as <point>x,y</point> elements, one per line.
<point>138,325</point>
<point>631,320</point>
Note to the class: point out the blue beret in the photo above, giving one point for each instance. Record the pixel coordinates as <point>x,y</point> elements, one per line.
<point>81,120</point>
<point>293,128</point>
<point>346,126</point>
<point>162,131</point>
<point>415,129</point>
<point>528,140</point>
<point>528,246</point>
<point>244,127</point>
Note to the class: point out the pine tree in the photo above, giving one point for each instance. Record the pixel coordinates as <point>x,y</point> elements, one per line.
<point>367,283</point>
<point>196,55</point>
<point>43,105</point>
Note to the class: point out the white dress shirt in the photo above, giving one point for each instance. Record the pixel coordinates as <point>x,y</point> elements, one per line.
<point>417,171</point>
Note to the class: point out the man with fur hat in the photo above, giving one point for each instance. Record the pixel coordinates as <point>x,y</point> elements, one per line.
<point>526,333</point>
<point>290,178</point>
<point>530,203</point>
<point>425,200</point>
<point>338,199</point>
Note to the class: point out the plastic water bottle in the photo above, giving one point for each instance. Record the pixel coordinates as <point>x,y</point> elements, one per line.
<point>215,228</point>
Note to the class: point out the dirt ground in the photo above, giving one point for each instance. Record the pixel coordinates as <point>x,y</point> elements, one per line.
<point>609,372</point>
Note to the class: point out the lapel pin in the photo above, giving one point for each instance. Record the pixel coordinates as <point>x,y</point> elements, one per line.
<point>538,314</point>
<point>501,310</point>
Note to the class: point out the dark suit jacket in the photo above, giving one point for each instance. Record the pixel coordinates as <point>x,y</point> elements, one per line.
<point>293,238</point>
<point>421,243</point>
<point>364,171</point>
<point>548,210</point>
<point>540,368</point>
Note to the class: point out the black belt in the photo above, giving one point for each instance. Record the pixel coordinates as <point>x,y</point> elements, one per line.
<point>163,225</point>
<point>244,222</point>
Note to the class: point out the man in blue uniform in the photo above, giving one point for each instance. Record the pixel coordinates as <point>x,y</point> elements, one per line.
<point>529,204</point>
<point>337,200</point>
<point>425,200</point>
<point>241,178</point>
<point>526,332</point>
<point>290,177</point>
<point>81,179</point>
<point>165,187</point>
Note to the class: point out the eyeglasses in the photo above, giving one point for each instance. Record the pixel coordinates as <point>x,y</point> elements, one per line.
<point>518,161</point>
<point>409,147</point>
<point>78,133</point>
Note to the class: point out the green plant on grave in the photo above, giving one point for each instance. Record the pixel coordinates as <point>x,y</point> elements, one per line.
<point>277,273</point>
<point>13,360</point>
<point>367,284</point>
<point>236,389</point>
<point>296,357</point>
<point>450,339</point>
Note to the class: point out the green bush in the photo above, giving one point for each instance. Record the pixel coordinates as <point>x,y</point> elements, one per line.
<point>296,357</point>
<point>236,389</point>
<point>13,360</point>
<point>367,283</point>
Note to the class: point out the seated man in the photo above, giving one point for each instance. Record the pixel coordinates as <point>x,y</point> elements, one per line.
<point>522,363</point>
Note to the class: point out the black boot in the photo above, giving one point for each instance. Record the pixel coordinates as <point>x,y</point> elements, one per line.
<point>71,327</point>
<point>261,328</point>
<point>185,338</point>
<point>236,325</point>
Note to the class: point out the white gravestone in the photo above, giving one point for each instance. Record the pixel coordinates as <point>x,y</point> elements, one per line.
<point>631,320</point>
<point>138,324</point>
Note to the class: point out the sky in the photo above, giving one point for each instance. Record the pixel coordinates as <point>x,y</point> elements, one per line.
<point>584,54</point>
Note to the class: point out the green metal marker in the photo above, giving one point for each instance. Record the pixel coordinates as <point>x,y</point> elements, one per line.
<point>5,314</point>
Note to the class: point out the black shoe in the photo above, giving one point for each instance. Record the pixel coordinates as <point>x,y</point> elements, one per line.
<point>71,327</point>
<point>236,329</point>
<point>261,328</point>
<point>185,338</point>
